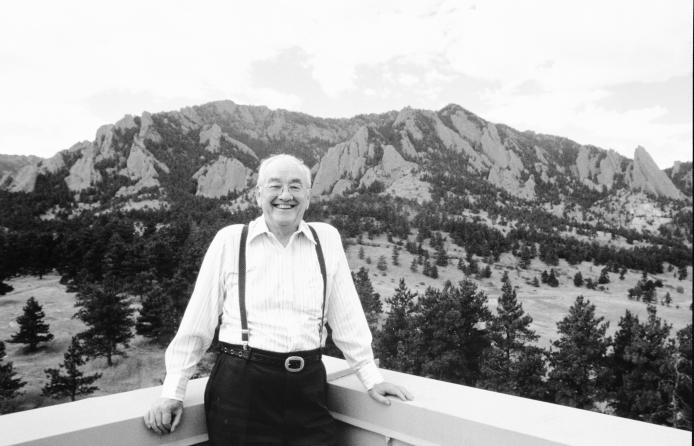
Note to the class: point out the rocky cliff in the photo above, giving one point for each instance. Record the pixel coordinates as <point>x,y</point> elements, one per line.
<point>213,151</point>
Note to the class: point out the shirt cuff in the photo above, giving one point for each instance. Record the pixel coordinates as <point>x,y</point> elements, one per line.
<point>174,387</point>
<point>369,375</point>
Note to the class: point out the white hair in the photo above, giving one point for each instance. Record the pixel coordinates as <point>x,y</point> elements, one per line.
<point>282,157</point>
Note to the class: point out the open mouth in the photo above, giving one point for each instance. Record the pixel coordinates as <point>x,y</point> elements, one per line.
<point>283,206</point>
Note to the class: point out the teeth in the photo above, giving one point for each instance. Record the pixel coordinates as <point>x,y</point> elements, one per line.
<point>283,206</point>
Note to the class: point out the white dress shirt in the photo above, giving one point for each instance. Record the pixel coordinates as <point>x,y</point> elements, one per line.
<point>284,293</point>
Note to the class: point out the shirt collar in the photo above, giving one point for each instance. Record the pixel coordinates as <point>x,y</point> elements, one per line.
<point>259,226</point>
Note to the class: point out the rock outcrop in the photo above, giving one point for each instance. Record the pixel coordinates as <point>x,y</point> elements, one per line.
<point>222,177</point>
<point>646,176</point>
<point>141,167</point>
<point>345,161</point>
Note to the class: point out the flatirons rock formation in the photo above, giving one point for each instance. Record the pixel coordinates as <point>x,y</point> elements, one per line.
<point>213,151</point>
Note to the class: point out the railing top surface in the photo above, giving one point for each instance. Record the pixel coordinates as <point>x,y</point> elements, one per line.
<point>441,413</point>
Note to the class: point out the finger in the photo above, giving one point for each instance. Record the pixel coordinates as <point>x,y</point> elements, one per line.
<point>166,419</point>
<point>379,398</point>
<point>407,394</point>
<point>177,419</point>
<point>159,428</point>
<point>146,419</point>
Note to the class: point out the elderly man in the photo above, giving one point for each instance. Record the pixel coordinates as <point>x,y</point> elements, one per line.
<point>274,282</point>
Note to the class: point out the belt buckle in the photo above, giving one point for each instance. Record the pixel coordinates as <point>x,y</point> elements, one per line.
<point>288,366</point>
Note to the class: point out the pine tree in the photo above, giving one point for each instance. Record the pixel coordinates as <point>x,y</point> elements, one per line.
<point>413,265</point>
<point>395,256</point>
<point>158,319</point>
<point>453,332</point>
<point>643,355</point>
<point>73,382</point>
<point>552,279</point>
<point>398,340</point>
<point>682,272</point>
<point>509,332</point>
<point>622,272</point>
<point>578,361</point>
<point>667,300</point>
<point>361,253</point>
<point>434,272</point>
<point>544,277</point>
<point>109,318</point>
<point>604,276</point>
<point>370,300</point>
<point>441,256</point>
<point>535,282</point>
<point>9,383</point>
<point>382,264</point>
<point>578,279</point>
<point>32,329</point>
<point>682,398</point>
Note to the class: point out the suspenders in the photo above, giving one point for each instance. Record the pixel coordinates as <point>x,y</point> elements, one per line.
<point>242,285</point>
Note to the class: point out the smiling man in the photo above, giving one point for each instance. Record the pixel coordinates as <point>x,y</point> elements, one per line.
<point>274,282</point>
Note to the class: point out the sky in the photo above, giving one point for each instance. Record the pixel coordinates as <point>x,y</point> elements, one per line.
<point>614,74</point>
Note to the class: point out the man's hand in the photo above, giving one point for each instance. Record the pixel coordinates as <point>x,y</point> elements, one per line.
<point>164,415</point>
<point>381,390</point>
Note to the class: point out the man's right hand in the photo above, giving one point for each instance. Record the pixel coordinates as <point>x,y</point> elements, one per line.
<point>164,415</point>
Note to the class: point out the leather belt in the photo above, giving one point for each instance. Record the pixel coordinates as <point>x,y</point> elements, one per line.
<point>291,362</point>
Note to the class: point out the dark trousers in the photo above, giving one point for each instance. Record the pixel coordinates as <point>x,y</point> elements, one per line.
<point>249,403</point>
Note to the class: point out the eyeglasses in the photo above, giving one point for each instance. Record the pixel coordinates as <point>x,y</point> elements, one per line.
<point>278,188</point>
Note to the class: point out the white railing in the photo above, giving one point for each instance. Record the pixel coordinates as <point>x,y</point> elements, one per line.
<point>441,414</point>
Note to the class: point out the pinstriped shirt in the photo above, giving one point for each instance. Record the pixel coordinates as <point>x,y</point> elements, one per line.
<point>284,294</point>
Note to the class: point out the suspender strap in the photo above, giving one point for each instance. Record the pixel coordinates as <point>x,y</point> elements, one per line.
<point>242,286</point>
<point>321,262</point>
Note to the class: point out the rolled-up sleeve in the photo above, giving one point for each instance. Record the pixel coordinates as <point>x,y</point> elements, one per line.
<point>346,317</point>
<point>199,321</point>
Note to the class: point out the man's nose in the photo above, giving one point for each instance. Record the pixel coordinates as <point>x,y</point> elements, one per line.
<point>285,194</point>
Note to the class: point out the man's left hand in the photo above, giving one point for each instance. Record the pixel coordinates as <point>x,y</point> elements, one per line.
<point>381,390</point>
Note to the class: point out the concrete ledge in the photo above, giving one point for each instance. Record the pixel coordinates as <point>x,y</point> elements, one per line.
<point>442,414</point>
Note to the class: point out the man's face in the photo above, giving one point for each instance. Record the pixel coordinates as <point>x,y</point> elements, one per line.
<point>283,196</point>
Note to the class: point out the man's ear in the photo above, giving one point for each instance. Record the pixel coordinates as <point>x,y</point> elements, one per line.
<point>257,197</point>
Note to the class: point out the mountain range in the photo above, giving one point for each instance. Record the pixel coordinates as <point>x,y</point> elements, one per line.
<point>212,151</point>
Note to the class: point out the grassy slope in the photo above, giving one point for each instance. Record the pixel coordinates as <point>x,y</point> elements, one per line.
<point>144,365</point>
<point>545,304</point>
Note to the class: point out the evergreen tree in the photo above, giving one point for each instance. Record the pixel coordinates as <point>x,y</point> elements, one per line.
<point>32,329</point>
<point>525,257</point>
<point>461,265</point>
<point>509,332</point>
<point>604,276</point>
<point>109,318</point>
<point>682,397</point>
<point>382,264</point>
<point>667,300</point>
<point>622,272</point>
<point>578,279</point>
<point>361,253</point>
<point>453,332</point>
<point>395,256</point>
<point>73,382</point>
<point>441,256</point>
<point>643,354</point>
<point>434,272</point>
<point>9,384</point>
<point>486,273</point>
<point>544,277</point>
<point>535,282</point>
<point>682,272</point>
<point>413,265</point>
<point>552,279</point>
<point>397,344</point>
<point>158,319</point>
<point>370,300</point>
<point>578,361</point>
